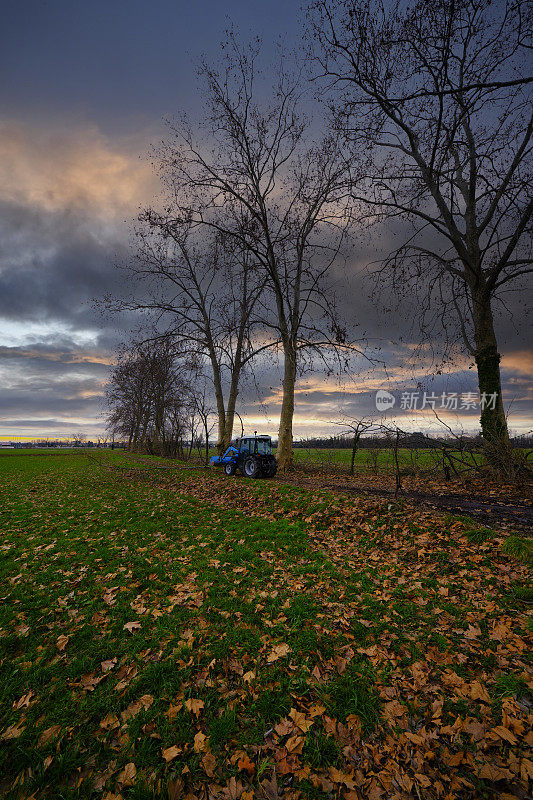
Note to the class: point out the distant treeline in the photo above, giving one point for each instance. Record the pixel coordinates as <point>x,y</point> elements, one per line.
<point>39,443</point>
<point>410,440</point>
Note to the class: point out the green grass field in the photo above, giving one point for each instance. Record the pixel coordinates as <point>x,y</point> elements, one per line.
<point>174,633</point>
<point>368,460</point>
<point>339,458</point>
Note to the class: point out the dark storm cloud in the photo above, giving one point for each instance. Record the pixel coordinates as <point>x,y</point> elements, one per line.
<point>48,427</point>
<point>50,402</point>
<point>54,265</point>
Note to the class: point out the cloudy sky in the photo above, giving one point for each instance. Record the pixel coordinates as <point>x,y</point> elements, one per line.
<point>85,90</point>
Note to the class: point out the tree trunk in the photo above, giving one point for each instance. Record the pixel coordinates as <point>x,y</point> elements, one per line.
<point>354,451</point>
<point>206,429</point>
<point>230,410</point>
<point>221,411</point>
<point>493,421</point>
<point>284,453</point>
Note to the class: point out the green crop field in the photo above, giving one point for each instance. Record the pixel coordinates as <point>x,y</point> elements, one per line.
<point>366,459</point>
<point>169,633</point>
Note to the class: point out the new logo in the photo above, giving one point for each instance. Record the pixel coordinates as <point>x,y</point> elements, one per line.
<point>384,400</point>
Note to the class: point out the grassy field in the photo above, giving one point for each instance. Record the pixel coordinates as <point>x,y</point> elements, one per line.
<point>174,633</point>
<point>368,460</point>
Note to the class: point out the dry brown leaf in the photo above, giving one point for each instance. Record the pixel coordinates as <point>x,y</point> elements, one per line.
<point>504,733</point>
<point>294,744</point>
<point>171,752</point>
<point>109,722</point>
<point>200,742</point>
<point>194,705</point>
<point>49,734</point>
<point>24,701</point>
<point>526,769</point>
<point>341,777</point>
<point>132,626</point>
<point>209,761</point>
<point>279,651</point>
<point>478,692</point>
<point>300,720</point>
<point>284,727</point>
<point>414,737</point>
<point>244,762</point>
<point>127,776</point>
<point>13,732</point>
<point>493,773</point>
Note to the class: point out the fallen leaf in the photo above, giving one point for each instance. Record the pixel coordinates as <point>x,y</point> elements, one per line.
<point>478,692</point>
<point>278,651</point>
<point>414,737</point>
<point>13,732</point>
<point>209,761</point>
<point>24,701</point>
<point>200,742</point>
<point>245,763</point>
<point>132,626</point>
<point>504,733</point>
<point>295,744</point>
<point>300,720</point>
<point>109,722</point>
<point>127,776</point>
<point>526,769</point>
<point>171,752</point>
<point>49,734</point>
<point>133,709</point>
<point>284,727</point>
<point>493,773</point>
<point>62,642</point>
<point>341,777</point>
<point>194,705</point>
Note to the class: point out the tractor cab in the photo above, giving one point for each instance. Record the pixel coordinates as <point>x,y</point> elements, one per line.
<point>252,455</point>
<point>255,445</point>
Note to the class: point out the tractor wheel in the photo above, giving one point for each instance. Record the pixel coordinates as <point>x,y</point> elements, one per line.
<point>252,467</point>
<point>230,468</point>
<point>270,468</point>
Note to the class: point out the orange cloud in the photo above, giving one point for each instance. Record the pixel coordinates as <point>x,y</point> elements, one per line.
<point>58,170</point>
<point>521,361</point>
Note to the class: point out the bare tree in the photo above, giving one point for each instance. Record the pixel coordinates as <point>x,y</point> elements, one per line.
<point>78,439</point>
<point>437,92</point>
<point>257,181</point>
<point>355,428</point>
<point>201,290</point>
<point>205,413</point>
<point>149,398</point>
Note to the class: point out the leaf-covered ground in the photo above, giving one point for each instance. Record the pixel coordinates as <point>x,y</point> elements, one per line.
<point>182,634</point>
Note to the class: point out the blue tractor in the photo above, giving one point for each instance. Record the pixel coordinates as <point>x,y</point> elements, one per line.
<point>252,455</point>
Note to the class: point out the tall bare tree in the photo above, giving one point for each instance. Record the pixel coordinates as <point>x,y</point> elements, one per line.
<point>436,91</point>
<point>252,175</point>
<point>202,291</point>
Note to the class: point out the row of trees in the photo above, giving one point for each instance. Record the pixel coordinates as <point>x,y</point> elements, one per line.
<point>157,401</point>
<point>430,123</point>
